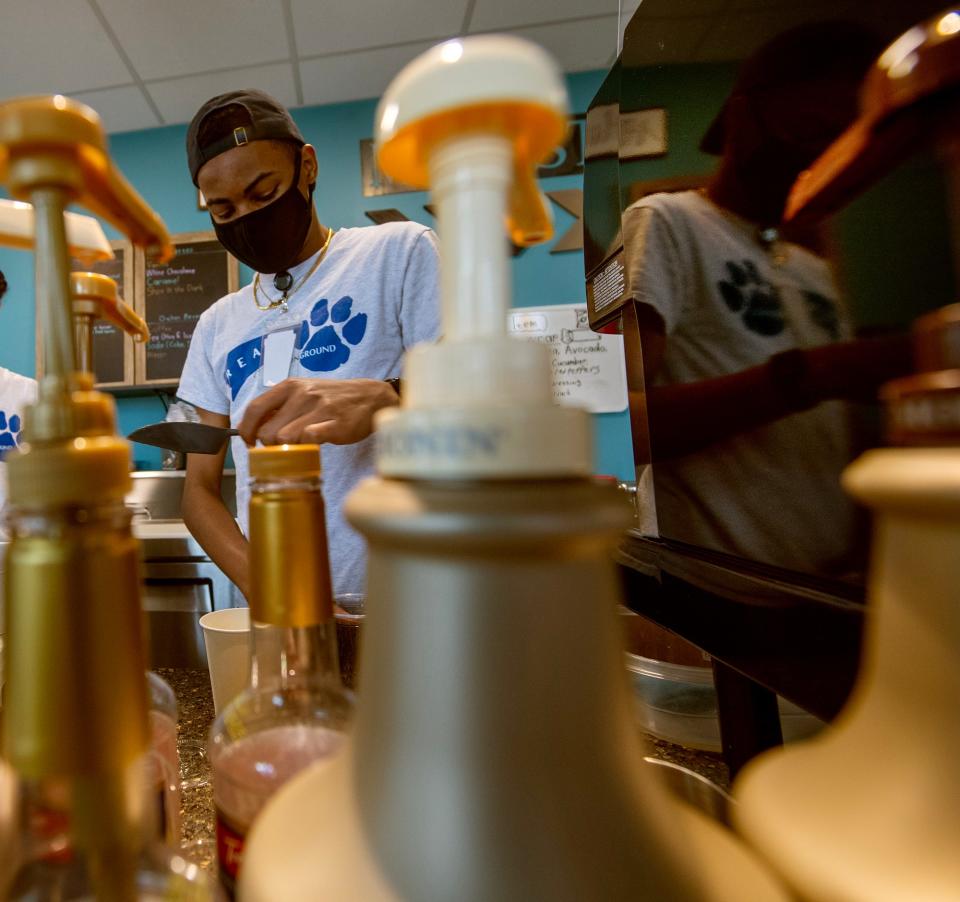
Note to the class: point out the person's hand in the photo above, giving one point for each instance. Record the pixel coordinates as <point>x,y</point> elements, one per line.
<point>339,411</point>
<point>855,370</point>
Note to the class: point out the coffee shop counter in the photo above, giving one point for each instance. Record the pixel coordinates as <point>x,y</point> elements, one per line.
<point>192,688</point>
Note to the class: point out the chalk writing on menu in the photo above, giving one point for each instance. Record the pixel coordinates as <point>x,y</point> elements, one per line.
<point>108,341</point>
<point>175,294</point>
<point>588,368</point>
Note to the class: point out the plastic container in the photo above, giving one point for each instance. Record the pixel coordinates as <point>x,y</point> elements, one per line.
<point>678,703</point>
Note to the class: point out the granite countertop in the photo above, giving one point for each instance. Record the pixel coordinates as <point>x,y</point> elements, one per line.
<point>192,688</point>
<point>195,709</point>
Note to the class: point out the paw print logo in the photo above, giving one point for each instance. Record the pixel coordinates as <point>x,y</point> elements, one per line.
<point>747,293</point>
<point>823,312</point>
<point>337,329</point>
<point>9,433</point>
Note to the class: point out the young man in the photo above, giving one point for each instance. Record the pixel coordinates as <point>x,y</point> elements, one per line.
<point>340,308</point>
<point>16,392</point>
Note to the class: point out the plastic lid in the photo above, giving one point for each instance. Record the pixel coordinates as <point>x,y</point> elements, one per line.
<point>284,460</point>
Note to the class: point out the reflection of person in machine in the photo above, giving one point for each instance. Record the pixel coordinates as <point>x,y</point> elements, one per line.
<point>345,306</point>
<point>748,356</point>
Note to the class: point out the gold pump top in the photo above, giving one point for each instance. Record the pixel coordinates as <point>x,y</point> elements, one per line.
<point>96,295</point>
<point>285,461</point>
<point>535,131</point>
<point>55,142</point>
<point>908,100</point>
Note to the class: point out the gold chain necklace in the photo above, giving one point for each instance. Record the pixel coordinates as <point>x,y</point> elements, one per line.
<point>282,300</point>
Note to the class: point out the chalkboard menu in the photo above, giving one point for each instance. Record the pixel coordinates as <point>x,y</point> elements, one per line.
<point>113,361</point>
<point>111,348</point>
<point>174,296</point>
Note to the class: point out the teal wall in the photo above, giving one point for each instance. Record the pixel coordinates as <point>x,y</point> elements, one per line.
<point>692,95</point>
<point>155,162</point>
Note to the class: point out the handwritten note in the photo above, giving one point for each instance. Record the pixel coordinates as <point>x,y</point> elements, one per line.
<point>588,368</point>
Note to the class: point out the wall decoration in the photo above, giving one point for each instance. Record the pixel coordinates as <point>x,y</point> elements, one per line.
<point>643,133</point>
<point>568,158</point>
<point>390,214</point>
<point>603,131</point>
<point>375,182</point>
<point>570,200</point>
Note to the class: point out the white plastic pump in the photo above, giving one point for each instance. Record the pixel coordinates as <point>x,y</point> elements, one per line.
<point>478,404</point>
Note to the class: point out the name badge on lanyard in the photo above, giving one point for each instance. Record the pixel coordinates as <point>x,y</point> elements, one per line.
<point>278,349</point>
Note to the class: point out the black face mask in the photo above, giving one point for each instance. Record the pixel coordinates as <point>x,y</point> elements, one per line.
<point>268,240</point>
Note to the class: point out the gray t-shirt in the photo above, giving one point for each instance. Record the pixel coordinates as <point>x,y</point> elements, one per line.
<point>772,493</point>
<point>374,296</point>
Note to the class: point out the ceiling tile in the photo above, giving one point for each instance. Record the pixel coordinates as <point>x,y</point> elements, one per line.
<point>179,37</point>
<point>179,98</point>
<point>354,76</point>
<point>489,15</point>
<point>49,47</point>
<point>577,46</point>
<point>337,27</point>
<point>122,109</point>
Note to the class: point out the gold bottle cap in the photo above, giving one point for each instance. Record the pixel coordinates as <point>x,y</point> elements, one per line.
<point>289,567</point>
<point>285,460</point>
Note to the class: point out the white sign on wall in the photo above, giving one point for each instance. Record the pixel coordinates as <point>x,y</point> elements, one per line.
<point>588,368</point>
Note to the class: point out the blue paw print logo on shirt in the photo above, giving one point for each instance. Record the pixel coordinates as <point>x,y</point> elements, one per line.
<point>9,433</point>
<point>323,343</point>
<point>338,329</point>
<point>753,298</point>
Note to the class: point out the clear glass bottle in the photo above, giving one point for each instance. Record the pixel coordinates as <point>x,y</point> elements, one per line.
<point>163,772</point>
<point>295,709</point>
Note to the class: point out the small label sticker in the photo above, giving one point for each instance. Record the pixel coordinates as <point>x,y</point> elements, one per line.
<point>229,853</point>
<point>278,354</point>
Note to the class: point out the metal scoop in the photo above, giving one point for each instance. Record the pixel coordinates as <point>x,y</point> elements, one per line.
<point>190,438</point>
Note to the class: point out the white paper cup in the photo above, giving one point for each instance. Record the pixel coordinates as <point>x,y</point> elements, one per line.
<point>226,634</point>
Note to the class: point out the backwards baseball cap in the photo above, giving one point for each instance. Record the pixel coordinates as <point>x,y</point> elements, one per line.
<point>237,117</point>
<point>814,49</point>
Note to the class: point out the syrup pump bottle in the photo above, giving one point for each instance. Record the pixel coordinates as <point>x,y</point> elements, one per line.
<point>295,710</point>
<point>494,754</point>
<point>869,811</point>
<point>93,297</point>
<point>75,726</point>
